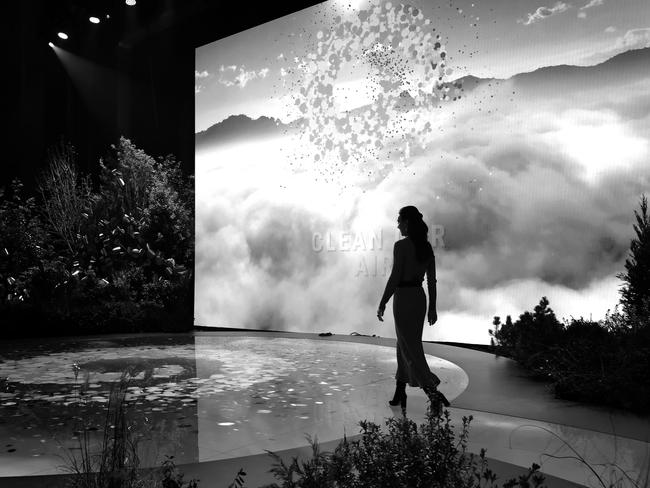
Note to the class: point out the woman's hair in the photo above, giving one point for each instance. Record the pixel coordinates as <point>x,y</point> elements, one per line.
<point>417,231</point>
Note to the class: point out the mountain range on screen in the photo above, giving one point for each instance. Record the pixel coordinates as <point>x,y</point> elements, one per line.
<point>551,81</point>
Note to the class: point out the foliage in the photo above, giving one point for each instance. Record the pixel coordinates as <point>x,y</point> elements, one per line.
<point>604,362</point>
<point>66,197</point>
<point>635,293</point>
<point>172,478</point>
<point>22,242</point>
<point>405,454</point>
<point>529,337</point>
<point>115,463</point>
<point>118,258</point>
<point>138,219</point>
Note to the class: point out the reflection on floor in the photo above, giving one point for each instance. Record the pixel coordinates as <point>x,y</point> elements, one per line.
<point>323,390</point>
<point>199,399</point>
<point>215,396</point>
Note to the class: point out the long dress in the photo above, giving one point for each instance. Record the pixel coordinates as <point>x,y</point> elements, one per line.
<point>409,312</point>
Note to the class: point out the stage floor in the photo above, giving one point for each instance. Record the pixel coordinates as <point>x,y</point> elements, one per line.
<point>198,398</point>
<point>211,397</point>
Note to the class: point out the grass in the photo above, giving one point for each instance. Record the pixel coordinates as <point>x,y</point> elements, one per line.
<point>115,462</point>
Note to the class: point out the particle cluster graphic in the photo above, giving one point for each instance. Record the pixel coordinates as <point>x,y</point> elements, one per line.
<point>406,70</point>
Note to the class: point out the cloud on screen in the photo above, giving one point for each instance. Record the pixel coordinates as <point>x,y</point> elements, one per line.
<point>535,198</point>
<point>543,13</point>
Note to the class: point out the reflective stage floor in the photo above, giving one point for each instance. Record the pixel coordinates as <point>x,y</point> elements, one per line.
<point>212,399</point>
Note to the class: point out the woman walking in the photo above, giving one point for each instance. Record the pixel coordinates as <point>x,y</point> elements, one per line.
<point>412,258</point>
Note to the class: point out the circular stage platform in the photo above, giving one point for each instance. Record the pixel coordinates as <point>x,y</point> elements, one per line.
<point>199,398</point>
<point>216,400</point>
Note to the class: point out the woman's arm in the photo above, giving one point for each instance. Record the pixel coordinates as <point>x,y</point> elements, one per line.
<point>395,275</point>
<point>431,282</point>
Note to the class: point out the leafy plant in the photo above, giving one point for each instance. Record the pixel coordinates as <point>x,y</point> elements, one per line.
<point>405,454</point>
<point>172,478</point>
<point>22,242</point>
<point>430,454</point>
<point>600,362</point>
<point>527,339</point>
<point>116,258</point>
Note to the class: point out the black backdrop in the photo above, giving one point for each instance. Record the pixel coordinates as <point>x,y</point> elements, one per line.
<point>131,75</point>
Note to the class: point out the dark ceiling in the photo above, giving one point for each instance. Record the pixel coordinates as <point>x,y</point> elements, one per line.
<point>131,74</point>
<point>191,23</point>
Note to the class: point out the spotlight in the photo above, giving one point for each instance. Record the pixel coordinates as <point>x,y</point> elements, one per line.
<point>63,35</point>
<point>130,3</point>
<point>50,44</point>
<point>94,20</point>
<point>108,16</point>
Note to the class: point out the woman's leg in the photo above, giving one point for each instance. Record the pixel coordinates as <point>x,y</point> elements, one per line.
<point>409,310</point>
<point>414,361</point>
<point>402,373</point>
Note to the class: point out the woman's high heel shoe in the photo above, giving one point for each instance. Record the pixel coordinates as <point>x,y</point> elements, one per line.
<point>400,395</point>
<point>398,400</point>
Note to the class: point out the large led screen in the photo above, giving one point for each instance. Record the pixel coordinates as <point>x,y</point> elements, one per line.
<point>519,129</point>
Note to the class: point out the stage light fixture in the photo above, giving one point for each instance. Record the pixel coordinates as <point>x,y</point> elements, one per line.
<point>63,35</point>
<point>94,20</point>
<point>50,44</point>
<point>130,3</point>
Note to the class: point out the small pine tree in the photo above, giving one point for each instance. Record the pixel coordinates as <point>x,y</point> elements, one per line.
<point>502,336</point>
<point>635,293</point>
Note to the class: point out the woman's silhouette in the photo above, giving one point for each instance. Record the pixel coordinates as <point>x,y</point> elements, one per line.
<point>413,257</point>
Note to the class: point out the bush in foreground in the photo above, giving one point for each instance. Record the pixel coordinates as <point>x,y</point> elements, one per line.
<point>604,362</point>
<point>404,455</point>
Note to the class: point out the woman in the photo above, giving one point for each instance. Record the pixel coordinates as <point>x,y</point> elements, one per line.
<point>412,258</point>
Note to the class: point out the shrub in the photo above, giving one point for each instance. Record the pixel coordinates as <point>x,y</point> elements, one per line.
<point>428,455</point>
<point>529,338</point>
<point>602,362</point>
<point>22,242</point>
<point>117,259</point>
